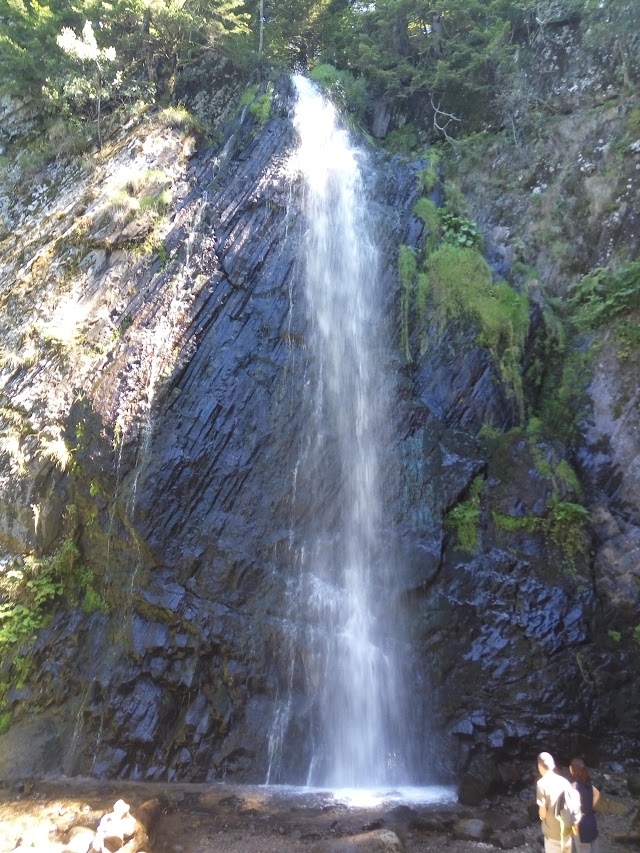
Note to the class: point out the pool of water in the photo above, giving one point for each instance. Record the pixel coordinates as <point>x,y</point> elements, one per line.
<point>371,797</point>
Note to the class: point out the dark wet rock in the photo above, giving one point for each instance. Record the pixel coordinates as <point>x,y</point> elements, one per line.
<point>31,748</point>
<point>508,840</point>
<point>185,510</point>
<point>374,824</point>
<point>477,780</point>
<point>633,783</point>
<point>457,383</point>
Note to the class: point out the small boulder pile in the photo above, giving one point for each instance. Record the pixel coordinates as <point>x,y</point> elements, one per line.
<point>118,831</point>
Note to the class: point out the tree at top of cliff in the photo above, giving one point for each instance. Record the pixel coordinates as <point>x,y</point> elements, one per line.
<point>154,39</point>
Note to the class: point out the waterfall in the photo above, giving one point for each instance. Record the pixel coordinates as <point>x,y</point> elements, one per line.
<point>347,580</point>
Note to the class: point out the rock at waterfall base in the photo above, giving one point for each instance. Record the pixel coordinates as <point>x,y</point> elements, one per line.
<point>379,841</point>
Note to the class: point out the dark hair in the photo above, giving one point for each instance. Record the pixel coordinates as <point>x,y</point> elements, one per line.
<point>579,770</point>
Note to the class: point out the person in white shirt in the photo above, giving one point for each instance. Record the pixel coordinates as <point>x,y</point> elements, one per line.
<point>548,790</point>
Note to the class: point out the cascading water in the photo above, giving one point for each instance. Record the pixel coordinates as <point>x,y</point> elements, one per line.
<point>347,580</point>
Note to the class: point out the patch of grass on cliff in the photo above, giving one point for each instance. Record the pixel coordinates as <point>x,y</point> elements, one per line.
<point>149,191</point>
<point>261,106</point>
<point>428,212</point>
<point>464,518</point>
<point>249,95</point>
<point>179,118</point>
<point>29,592</point>
<point>5,722</point>
<point>56,450</point>
<point>428,177</point>
<point>559,471</point>
<point>403,140</point>
<point>611,298</point>
<point>562,398</point>
<point>565,526</point>
<point>461,286</point>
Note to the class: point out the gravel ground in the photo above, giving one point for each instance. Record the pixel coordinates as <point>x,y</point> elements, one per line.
<point>248,819</point>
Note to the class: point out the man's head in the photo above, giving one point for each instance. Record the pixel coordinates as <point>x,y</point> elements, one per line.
<point>545,763</point>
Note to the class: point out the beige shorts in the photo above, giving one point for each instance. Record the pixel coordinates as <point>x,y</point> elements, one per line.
<point>553,846</point>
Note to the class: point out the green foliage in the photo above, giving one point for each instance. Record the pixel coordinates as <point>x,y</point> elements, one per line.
<point>21,669</point>
<point>5,722</point>
<point>461,286</point>
<point>636,634</point>
<point>249,95</point>
<point>444,68</point>
<point>157,201</point>
<point>428,177</point>
<point>561,474</point>
<point>460,277</point>
<point>93,602</point>
<point>610,297</point>
<point>515,523</point>
<point>561,396</point>
<point>612,29</point>
<point>62,55</point>
<point>459,231</point>
<point>82,86</point>
<point>402,140</point>
<point>456,282</point>
<point>30,591</point>
<point>455,200</point>
<point>438,63</point>
<point>422,296</point>
<point>348,92</point>
<point>604,294</point>
<point>616,636</point>
<point>148,191</point>
<point>34,156</point>
<point>488,432</point>
<point>428,212</point>
<point>567,476</point>
<point>564,525</point>
<point>180,118</point>
<point>464,518</point>
<point>261,106</point>
<point>67,136</point>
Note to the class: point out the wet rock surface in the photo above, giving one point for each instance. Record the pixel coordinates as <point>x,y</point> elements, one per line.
<point>181,412</point>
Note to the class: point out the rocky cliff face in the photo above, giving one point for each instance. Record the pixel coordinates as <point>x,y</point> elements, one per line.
<point>150,387</point>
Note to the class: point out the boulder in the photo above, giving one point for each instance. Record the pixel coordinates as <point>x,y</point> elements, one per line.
<point>470,829</point>
<point>79,839</point>
<point>379,841</point>
<point>508,840</point>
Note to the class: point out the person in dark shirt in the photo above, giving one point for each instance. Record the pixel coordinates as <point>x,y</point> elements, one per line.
<point>585,840</point>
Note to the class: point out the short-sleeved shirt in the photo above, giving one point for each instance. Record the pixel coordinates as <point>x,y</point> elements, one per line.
<point>548,789</point>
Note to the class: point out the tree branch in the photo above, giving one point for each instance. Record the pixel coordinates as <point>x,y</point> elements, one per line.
<point>442,128</point>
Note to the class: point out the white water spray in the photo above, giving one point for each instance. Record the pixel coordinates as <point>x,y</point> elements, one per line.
<point>347,579</point>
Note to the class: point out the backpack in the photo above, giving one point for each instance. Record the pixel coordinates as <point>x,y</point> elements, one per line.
<point>567,812</point>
